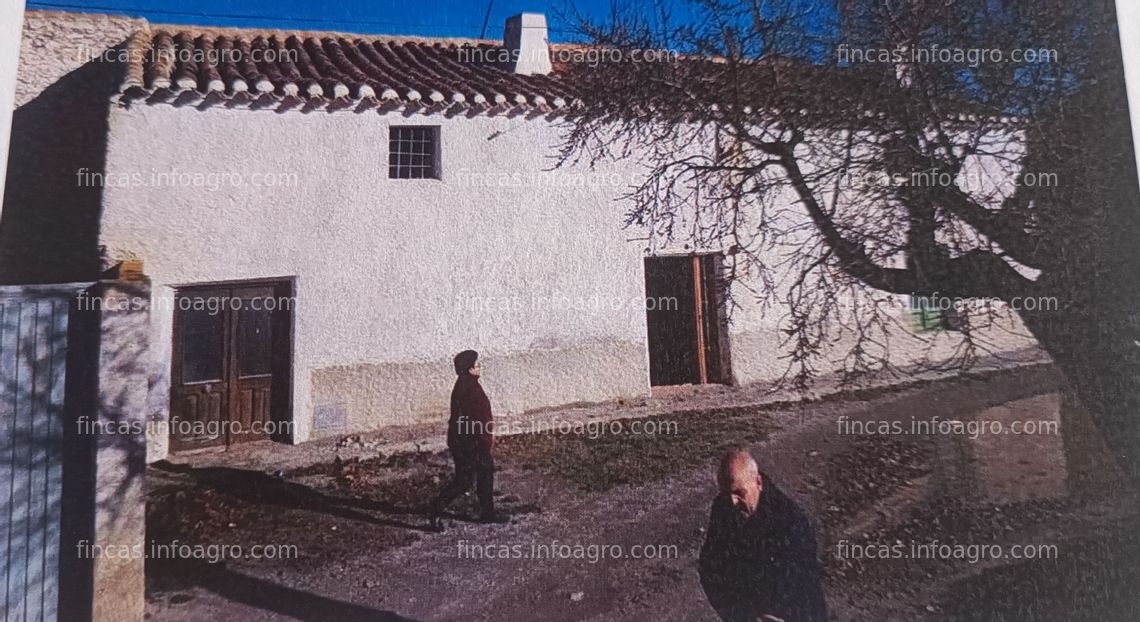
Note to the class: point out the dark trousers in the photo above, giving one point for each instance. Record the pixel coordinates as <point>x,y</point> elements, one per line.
<point>470,468</point>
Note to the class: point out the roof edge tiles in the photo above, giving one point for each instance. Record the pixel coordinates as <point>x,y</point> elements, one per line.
<point>257,69</point>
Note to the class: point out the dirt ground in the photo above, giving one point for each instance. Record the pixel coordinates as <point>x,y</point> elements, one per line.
<point>360,550</point>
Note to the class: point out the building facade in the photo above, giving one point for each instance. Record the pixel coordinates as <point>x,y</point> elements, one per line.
<point>324,230</point>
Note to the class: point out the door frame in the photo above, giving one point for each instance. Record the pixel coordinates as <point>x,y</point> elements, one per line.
<point>281,412</point>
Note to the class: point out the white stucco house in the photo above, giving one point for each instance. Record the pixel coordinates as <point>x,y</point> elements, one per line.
<point>326,219</point>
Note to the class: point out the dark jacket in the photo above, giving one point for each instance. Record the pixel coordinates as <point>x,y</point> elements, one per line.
<point>470,430</point>
<point>766,566</point>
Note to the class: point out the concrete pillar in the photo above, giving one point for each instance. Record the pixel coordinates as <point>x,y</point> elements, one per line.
<point>104,518</point>
<point>120,462</point>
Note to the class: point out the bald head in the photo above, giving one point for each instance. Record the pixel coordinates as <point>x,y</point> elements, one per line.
<point>739,477</point>
<point>736,463</point>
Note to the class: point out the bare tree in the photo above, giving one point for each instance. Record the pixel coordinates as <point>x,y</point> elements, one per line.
<point>798,101</point>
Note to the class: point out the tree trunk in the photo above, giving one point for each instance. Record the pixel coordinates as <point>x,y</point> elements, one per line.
<point>1090,468</point>
<point>1101,362</point>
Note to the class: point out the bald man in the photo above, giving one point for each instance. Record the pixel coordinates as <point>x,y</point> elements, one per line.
<point>759,558</point>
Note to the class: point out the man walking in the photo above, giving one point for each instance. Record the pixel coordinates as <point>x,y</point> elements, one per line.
<point>470,438</point>
<point>759,558</point>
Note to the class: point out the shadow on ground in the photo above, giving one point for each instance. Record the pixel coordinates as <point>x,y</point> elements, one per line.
<point>256,487</point>
<point>230,507</point>
<point>293,603</point>
<point>1092,578</point>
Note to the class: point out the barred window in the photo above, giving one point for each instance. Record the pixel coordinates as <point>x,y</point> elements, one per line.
<point>413,152</point>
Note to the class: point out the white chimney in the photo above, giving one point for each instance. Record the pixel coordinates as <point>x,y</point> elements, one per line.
<point>525,37</point>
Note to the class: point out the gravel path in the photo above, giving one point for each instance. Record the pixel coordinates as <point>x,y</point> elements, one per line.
<point>477,572</point>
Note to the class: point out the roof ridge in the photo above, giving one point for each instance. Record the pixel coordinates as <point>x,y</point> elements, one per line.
<point>252,33</point>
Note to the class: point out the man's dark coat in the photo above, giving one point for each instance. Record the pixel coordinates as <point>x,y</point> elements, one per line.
<point>766,565</point>
<point>470,437</point>
<point>470,430</point>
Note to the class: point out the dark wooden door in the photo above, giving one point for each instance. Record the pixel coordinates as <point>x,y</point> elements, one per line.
<point>230,368</point>
<point>199,387</point>
<point>684,316</point>
<point>671,315</point>
<point>252,378</point>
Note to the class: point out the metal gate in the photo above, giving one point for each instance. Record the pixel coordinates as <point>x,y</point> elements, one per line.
<point>33,355</point>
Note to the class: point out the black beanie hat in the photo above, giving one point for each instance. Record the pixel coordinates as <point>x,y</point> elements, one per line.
<point>464,361</point>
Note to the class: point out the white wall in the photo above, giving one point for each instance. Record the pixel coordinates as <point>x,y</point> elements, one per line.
<point>773,227</point>
<point>11,25</point>
<point>1128,19</point>
<point>393,277</point>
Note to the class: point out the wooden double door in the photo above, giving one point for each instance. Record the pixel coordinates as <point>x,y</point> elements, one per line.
<point>231,365</point>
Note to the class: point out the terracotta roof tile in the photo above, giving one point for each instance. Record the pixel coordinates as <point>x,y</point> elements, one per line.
<point>331,71</point>
<point>240,68</point>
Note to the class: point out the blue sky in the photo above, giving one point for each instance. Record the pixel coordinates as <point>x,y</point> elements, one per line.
<point>442,18</point>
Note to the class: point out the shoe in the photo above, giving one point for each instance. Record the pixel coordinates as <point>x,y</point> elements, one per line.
<point>494,518</point>
<point>436,524</point>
